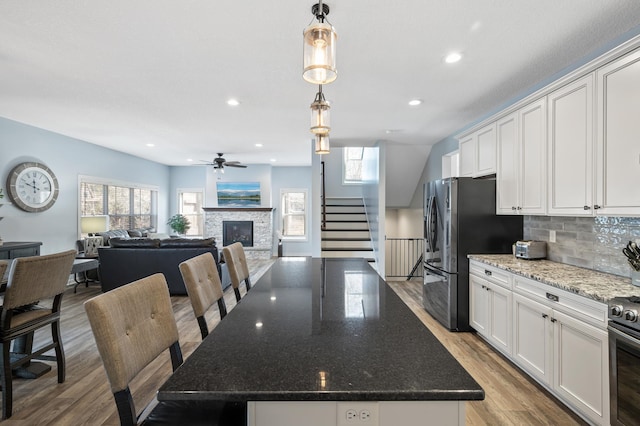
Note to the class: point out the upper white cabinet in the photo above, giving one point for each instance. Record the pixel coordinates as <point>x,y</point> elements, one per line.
<point>570,149</point>
<point>521,160</point>
<point>478,152</point>
<point>618,137</point>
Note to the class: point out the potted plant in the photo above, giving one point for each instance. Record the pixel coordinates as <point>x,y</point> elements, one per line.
<point>179,223</point>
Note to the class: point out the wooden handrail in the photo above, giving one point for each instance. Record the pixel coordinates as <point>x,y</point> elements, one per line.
<point>324,201</point>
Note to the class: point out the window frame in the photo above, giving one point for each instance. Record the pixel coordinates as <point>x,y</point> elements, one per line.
<point>131,186</point>
<point>282,236</point>
<point>200,215</point>
<point>345,181</point>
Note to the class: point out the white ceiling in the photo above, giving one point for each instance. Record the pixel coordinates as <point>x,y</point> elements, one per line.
<point>125,73</point>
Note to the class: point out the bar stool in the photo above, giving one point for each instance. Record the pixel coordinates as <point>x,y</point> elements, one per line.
<point>236,262</point>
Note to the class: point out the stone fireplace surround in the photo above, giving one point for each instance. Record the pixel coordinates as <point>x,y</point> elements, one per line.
<point>262,218</point>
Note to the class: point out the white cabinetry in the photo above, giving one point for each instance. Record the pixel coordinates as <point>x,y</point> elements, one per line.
<point>557,337</point>
<point>570,149</point>
<point>490,305</point>
<point>561,340</point>
<point>618,137</point>
<point>521,160</point>
<point>478,152</point>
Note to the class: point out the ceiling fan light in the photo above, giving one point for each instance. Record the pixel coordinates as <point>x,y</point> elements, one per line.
<point>319,53</point>
<point>322,144</point>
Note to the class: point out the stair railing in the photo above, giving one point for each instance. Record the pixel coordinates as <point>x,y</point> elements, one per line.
<point>323,226</point>
<point>404,257</point>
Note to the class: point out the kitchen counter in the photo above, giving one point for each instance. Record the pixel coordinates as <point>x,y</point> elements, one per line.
<point>585,282</point>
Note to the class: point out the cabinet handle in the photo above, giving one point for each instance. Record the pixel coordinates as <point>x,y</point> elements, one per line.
<point>587,207</point>
<point>597,207</point>
<point>513,208</point>
<point>487,272</point>
<point>552,297</point>
<point>544,315</point>
<point>553,320</point>
<point>519,208</point>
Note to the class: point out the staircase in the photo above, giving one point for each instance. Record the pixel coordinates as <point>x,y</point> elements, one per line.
<point>347,230</point>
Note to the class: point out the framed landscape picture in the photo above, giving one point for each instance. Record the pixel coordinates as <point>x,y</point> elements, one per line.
<point>238,194</point>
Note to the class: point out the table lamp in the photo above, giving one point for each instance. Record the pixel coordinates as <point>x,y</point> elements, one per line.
<point>91,225</point>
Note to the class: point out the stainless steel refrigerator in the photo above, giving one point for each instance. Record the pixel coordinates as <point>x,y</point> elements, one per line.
<point>460,219</point>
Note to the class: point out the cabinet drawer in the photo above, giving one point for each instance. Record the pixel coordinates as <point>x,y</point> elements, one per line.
<point>571,304</point>
<point>491,274</point>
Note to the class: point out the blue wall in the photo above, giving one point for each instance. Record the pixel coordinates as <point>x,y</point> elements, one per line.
<point>68,158</point>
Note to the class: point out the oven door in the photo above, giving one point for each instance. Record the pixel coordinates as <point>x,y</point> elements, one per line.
<point>624,375</point>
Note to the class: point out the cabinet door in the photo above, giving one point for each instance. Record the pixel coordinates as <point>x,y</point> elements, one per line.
<point>478,304</point>
<point>581,366</point>
<point>618,150</point>
<point>467,155</point>
<point>533,337</point>
<point>570,149</point>
<point>485,151</point>
<point>533,146</point>
<point>500,318</point>
<point>507,165</point>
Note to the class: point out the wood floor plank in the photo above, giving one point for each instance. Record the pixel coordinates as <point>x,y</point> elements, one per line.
<point>85,398</point>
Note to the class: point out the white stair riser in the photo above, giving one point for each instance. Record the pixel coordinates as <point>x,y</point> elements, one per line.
<point>345,209</point>
<point>346,234</point>
<point>354,245</point>
<point>344,201</point>
<point>339,216</point>
<point>359,254</point>
<point>354,226</point>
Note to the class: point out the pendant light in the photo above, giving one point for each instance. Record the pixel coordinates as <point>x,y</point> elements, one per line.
<point>319,48</point>
<point>322,144</point>
<point>320,123</point>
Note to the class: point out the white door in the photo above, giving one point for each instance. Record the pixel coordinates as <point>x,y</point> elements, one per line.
<point>533,337</point>
<point>570,149</point>
<point>500,318</point>
<point>508,165</point>
<point>581,366</point>
<point>467,147</point>
<point>618,150</point>
<point>533,146</point>
<point>486,151</point>
<point>478,304</point>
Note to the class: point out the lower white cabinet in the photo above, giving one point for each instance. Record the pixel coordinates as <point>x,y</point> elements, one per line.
<point>559,338</point>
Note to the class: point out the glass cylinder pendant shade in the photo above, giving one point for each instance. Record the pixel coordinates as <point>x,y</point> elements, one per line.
<point>322,144</point>
<point>319,53</point>
<point>320,122</point>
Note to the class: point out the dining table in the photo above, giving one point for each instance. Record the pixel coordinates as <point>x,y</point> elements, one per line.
<point>325,341</point>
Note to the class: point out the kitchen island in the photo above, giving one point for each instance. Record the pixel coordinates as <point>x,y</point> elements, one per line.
<point>325,342</point>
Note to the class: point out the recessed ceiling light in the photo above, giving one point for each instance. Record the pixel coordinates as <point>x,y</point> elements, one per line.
<point>453,57</point>
<point>190,159</point>
<point>415,102</point>
<point>233,102</point>
<point>259,145</point>
<point>151,145</point>
<point>389,131</point>
<point>273,160</point>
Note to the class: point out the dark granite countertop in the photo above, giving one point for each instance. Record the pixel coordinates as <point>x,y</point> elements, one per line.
<point>321,330</point>
<point>585,282</point>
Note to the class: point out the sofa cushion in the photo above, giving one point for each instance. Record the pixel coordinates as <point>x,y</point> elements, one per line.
<point>135,233</point>
<point>134,242</point>
<point>187,242</point>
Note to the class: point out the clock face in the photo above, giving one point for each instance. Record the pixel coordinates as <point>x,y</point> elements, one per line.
<point>32,187</point>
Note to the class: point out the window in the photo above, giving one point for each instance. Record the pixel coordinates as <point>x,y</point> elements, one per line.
<point>190,202</point>
<point>294,213</point>
<point>128,206</point>
<point>352,165</point>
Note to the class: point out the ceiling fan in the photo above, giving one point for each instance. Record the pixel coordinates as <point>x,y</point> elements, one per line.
<point>220,163</point>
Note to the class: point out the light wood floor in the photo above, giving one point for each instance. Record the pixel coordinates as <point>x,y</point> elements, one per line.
<point>85,397</point>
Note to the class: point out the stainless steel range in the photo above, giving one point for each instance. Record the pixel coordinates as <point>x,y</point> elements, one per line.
<point>624,360</point>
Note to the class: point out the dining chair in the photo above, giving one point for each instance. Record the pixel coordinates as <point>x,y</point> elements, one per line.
<point>133,325</point>
<point>204,288</point>
<point>32,300</point>
<point>236,261</point>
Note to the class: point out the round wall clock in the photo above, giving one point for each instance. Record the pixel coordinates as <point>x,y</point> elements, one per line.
<point>32,187</point>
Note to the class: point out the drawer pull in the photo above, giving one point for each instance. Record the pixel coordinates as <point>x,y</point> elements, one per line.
<point>487,272</point>
<point>544,315</point>
<point>553,320</point>
<point>552,297</point>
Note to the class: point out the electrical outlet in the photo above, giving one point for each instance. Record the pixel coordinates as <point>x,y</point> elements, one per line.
<point>357,414</point>
<point>552,236</point>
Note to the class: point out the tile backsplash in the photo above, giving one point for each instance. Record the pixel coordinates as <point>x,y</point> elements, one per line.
<point>589,242</point>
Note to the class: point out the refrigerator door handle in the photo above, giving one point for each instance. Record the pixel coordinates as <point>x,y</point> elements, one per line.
<point>431,225</point>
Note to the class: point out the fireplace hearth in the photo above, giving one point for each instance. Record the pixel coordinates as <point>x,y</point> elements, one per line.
<point>261,217</point>
<point>237,231</point>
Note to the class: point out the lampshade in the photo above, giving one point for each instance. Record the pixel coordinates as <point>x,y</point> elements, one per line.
<point>94,224</point>
<point>319,49</point>
<point>320,122</point>
<point>322,144</point>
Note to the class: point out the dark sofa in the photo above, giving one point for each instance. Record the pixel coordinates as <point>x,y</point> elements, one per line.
<point>129,259</point>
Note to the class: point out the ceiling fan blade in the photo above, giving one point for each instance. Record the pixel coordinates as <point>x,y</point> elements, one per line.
<point>235,164</point>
